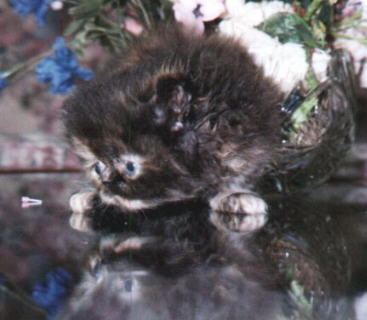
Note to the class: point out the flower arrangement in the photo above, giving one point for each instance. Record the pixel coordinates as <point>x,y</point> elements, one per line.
<point>294,41</point>
<point>286,37</point>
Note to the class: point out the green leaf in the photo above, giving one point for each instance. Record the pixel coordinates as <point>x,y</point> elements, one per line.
<point>79,42</point>
<point>298,296</point>
<point>300,116</point>
<point>86,9</point>
<point>107,37</point>
<point>326,14</point>
<point>311,80</point>
<point>319,32</point>
<point>159,10</point>
<point>74,26</point>
<point>289,27</point>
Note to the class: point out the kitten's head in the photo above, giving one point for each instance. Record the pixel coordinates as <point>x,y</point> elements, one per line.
<point>135,149</point>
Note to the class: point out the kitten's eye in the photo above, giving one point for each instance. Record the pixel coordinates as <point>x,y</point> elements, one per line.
<point>98,167</point>
<point>128,285</point>
<point>130,167</point>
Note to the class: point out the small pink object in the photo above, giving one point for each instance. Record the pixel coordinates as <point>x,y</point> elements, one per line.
<point>29,202</point>
<point>193,13</point>
<point>56,5</point>
<point>133,26</point>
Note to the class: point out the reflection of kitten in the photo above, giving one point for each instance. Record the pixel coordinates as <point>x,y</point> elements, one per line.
<point>180,117</point>
<point>177,270</point>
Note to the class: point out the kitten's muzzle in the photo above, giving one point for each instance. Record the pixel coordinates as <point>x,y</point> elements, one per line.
<point>111,177</point>
<point>115,182</point>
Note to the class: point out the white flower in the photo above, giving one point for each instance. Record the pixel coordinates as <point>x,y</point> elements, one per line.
<point>56,5</point>
<point>357,50</point>
<point>360,306</point>
<point>253,13</point>
<point>193,13</point>
<point>285,64</point>
<point>359,53</point>
<point>320,62</point>
<point>353,6</point>
<point>350,39</point>
<point>364,9</point>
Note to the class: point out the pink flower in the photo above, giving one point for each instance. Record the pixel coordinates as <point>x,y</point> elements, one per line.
<point>133,26</point>
<point>193,13</point>
<point>352,7</point>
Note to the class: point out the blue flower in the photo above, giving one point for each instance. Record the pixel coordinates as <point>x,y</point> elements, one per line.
<point>60,70</point>
<point>37,7</point>
<point>3,82</point>
<point>2,279</point>
<point>51,293</point>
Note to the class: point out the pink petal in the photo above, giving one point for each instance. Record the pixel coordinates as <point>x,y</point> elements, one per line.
<point>187,4</point>
<point>186,17</point>
<point>133,26</point>
<point>210,9</point>
<point>182,12</point>
<point>198,28</point>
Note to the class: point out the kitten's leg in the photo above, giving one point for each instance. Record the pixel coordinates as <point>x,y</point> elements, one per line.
<point>81,204</point>
<point>89,213</point>
<point>242,211</point>
<point>118,245</point>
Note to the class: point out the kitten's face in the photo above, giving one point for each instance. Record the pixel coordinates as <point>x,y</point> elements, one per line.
<point>138,174</point>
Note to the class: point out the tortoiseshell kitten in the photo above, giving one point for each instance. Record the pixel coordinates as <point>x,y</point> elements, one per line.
<point>180,117</point>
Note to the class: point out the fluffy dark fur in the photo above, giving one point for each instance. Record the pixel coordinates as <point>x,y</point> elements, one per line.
<point>171,263</point>
<point>180,117</point>
<point>180,269</point>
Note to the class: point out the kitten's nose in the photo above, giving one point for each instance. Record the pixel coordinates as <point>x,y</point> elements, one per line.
<point>116,184</point>
<point>113,178</point>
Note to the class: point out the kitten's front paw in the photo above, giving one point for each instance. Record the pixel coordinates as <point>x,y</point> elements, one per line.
<point>81,203</point>
<point>240,212</point>
<point>237,222</point>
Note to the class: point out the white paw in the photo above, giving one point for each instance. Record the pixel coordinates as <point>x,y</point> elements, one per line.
<point>80,203</point>
<point>237,222</point>
<point>240,202</point>
<point>80,222</point>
